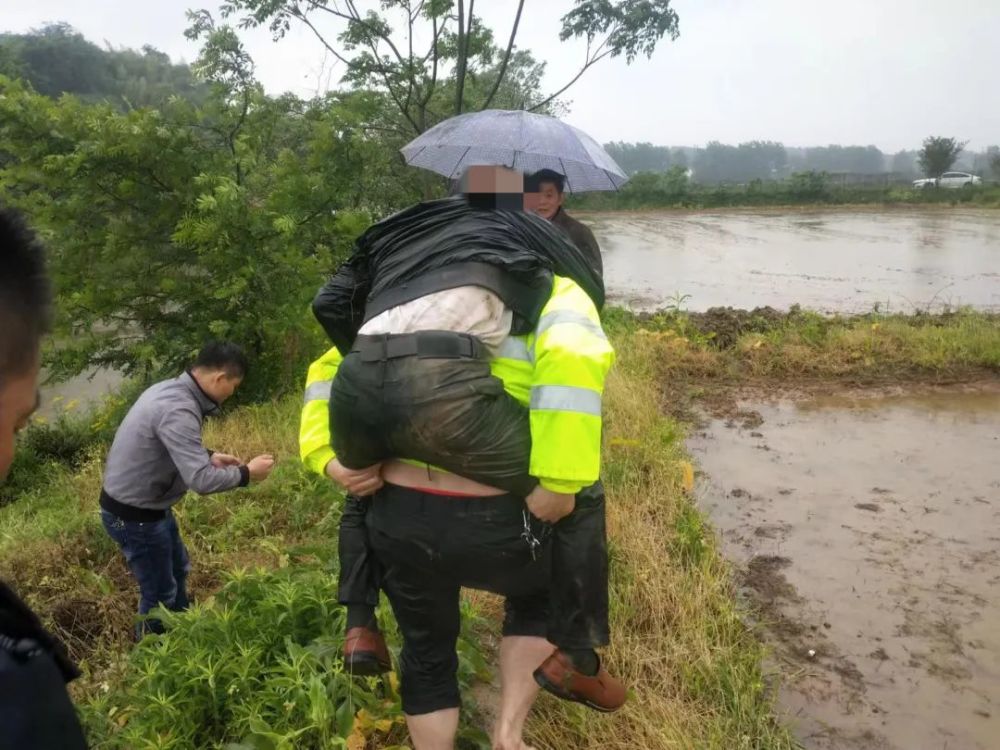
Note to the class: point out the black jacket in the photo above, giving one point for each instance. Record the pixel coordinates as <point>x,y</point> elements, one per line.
<point>35,709</point>
<point>582,237</point>
<point>444,244</point>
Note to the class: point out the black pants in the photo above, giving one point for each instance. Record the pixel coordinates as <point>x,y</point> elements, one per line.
<point>430,546</point>
<point>430,397</point>
<point>577,553</point>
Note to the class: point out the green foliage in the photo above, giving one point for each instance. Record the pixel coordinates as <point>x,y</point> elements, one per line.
<point>57,60</point>
<point>259,665</point>
<point>939,154</point>
<point>436,59</point>
<point>718,162</point>
<point>645,157</point>
<point>630,27</point>
<point>42,449</point>
<point>173,226</point>
<point>691,545</point>
<point>808,186</point>
<point>648,191</point>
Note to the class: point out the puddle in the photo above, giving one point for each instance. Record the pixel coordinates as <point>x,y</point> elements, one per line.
<point>867,531</point>
<point>826,260</point>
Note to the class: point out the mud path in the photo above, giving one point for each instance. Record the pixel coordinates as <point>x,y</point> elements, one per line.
<point>867,530</point>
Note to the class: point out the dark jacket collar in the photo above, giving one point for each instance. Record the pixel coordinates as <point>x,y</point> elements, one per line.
<point>206,402</point>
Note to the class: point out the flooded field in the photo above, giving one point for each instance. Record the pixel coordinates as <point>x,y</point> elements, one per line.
<point>867,531</point>
<point>830,260</point>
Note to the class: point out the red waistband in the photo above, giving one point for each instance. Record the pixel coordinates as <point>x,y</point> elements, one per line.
<point>448,493</point>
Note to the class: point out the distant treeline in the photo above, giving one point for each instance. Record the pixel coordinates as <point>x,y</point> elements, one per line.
<point>56,59</point>
<point>674,189</point>
<point>769,160</point>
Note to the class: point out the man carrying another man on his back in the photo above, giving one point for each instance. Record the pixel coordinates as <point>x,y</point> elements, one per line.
<point>433,299</point>
<point>156,457</point>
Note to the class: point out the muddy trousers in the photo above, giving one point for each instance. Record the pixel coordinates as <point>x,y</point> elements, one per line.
<point>432,397</point>
<point>429,546</point>
<point>577,564</point>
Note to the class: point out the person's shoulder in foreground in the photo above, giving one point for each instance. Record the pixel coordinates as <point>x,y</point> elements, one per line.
<point>35,709</point>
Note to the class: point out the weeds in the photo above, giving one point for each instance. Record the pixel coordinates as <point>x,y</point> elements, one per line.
<point>255,664</point>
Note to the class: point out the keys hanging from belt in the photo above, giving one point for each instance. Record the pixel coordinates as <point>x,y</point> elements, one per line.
<point>529,537</point>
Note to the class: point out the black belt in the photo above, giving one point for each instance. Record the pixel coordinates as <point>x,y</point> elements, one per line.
<point>424,344</point>
<point>130,512</point>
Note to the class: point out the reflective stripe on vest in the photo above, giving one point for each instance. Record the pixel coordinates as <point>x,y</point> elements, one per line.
<point>318,391</point>
<point>566,398</point>
<point>514,348</point>
<point>557,317</point>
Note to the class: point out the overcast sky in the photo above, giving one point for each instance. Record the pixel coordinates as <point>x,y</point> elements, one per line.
<point>804,72</point>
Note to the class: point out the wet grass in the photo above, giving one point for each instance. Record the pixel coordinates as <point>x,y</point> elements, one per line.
<point>680,642</point>
<point>694,667</point>
<point>732,347</point>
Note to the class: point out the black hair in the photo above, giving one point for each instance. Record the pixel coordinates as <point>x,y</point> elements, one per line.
<point>533,183</point>
<point>222,355</point>
<point>25,295</point>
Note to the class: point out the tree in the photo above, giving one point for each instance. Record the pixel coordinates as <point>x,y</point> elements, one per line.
<point>171,226</point>
<point>938,155</point>
<point>754,160</point>
<point>995,164</point>
<point>639,157</point>
<point>851,159</point>
<point>460,68</point>
<point>58,60</point>
<point>904,163</point>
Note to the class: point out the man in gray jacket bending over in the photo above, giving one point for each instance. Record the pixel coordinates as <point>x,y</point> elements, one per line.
<point>156,457</point>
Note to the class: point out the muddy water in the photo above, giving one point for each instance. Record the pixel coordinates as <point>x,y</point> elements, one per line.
<point>868,535</point>
<point>80,392</point>
<point>826,260</point>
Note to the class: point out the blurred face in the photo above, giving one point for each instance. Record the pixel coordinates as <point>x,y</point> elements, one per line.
<point>18,401</point>
<point>218,384</point>
<point>548,201</point>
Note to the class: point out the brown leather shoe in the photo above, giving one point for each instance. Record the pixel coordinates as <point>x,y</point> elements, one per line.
<point>602,692</point>
<point>365,653</point>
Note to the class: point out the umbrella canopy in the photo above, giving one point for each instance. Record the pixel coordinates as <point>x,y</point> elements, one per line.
<point>520,140</point>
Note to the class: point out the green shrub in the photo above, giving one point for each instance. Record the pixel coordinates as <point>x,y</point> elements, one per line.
<point>256,667</point>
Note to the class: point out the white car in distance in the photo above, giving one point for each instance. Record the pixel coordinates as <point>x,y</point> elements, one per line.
<point>952,180</point>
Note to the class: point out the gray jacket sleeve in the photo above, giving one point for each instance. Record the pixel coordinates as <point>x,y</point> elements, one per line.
<point>180,432</point>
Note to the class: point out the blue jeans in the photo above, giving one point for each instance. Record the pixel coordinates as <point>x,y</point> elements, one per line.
<point>158,560</point>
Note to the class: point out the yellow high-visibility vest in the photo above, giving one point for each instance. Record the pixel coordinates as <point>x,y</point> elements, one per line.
<point>557,371</point>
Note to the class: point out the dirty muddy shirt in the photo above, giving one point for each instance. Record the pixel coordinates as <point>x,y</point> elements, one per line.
<point>465,309</point>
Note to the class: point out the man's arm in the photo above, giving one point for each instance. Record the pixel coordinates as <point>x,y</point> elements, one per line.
<point>315,439</point>
<point>180,432</point>
<point>340,304</point>
<point>572,358</point>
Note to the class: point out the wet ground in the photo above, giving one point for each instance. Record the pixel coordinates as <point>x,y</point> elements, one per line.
<point>867,531</point>
<point>830,260</point>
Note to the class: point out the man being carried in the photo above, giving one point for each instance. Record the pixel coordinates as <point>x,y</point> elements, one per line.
<point>156,457</point>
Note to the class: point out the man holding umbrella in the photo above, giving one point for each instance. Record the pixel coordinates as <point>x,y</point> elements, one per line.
<point>547,188</point>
